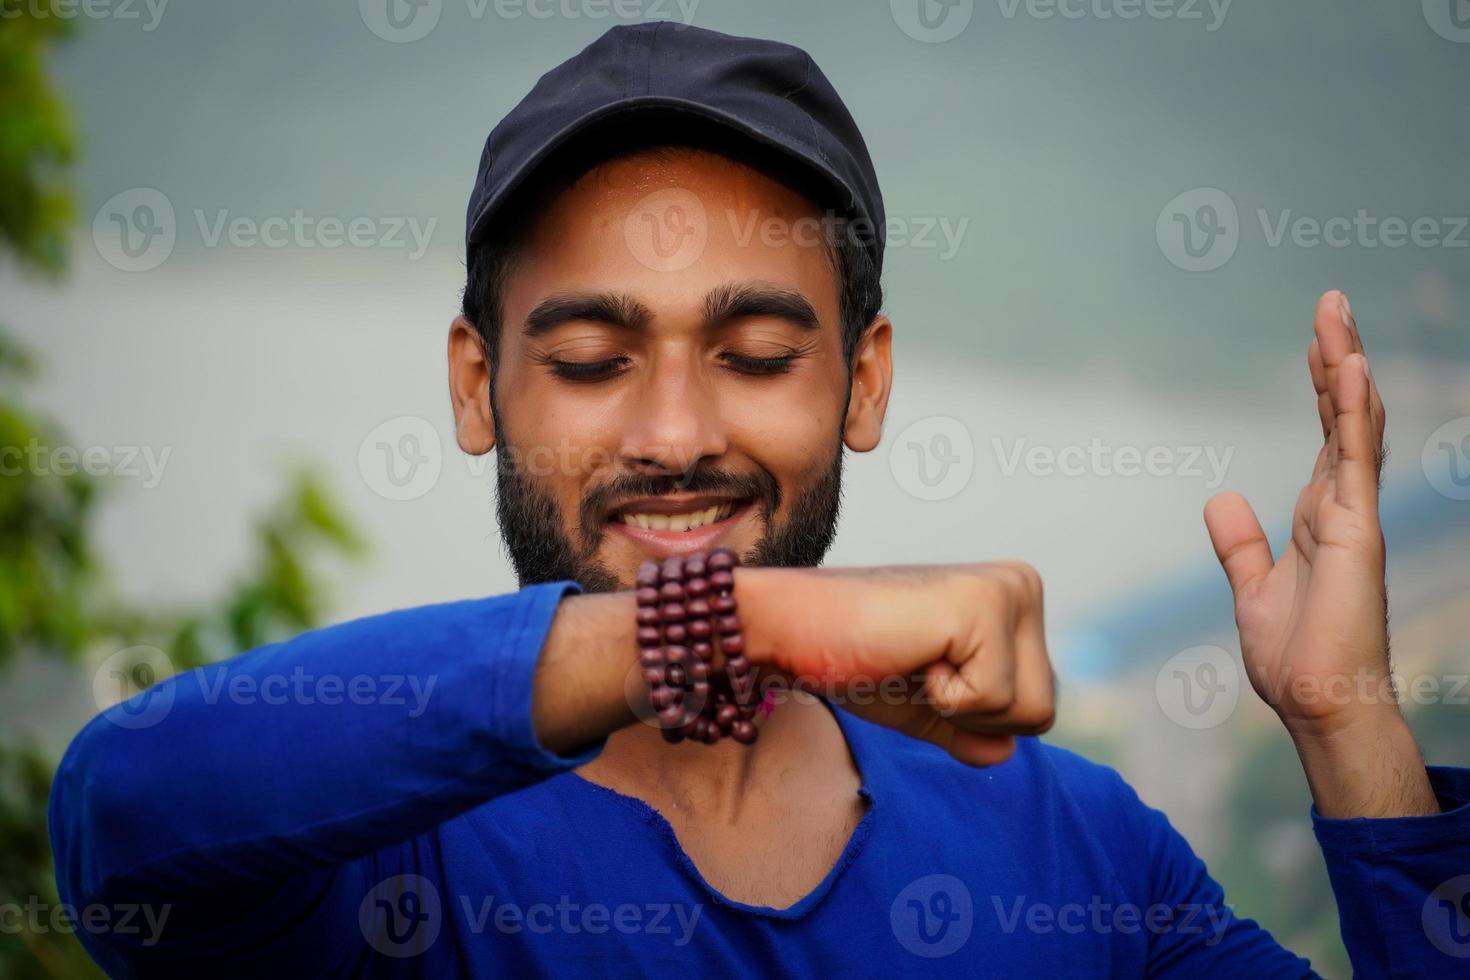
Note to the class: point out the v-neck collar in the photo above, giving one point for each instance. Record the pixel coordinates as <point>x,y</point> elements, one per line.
<point>858,745</point>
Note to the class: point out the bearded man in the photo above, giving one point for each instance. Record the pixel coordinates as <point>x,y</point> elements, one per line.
<point>659,384</point>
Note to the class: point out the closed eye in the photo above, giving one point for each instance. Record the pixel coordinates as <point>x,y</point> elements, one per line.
<point>746,364</point>
<point>588,371</point>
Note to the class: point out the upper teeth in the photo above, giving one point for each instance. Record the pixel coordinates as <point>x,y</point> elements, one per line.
<point>680,522</point>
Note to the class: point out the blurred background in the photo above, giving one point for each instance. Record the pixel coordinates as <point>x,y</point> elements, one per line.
<point>231,244</point>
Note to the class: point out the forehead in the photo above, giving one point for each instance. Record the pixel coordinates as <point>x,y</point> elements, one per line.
<point>668,225</point>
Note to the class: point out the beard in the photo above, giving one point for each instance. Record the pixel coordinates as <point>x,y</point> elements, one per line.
<point>541,550</point>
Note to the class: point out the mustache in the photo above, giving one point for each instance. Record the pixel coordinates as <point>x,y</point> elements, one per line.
<point>759,486</point>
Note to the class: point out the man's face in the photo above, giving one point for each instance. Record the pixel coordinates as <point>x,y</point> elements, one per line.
<point>671,375</point>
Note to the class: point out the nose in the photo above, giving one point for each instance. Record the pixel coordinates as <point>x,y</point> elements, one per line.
<point>675,421</point>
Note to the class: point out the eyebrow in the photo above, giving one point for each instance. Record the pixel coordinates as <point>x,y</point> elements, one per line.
<point>737,301</point>
<point>722,305</point>
<point>614,309</point>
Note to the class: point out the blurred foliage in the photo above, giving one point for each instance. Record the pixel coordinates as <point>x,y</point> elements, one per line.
<point>55,600</point>
<point>36,142</point>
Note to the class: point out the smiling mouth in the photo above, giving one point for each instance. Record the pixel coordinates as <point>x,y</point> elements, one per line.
<point>677,521</point>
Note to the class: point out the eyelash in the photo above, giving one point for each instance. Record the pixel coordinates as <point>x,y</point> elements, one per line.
<point>607,369</point>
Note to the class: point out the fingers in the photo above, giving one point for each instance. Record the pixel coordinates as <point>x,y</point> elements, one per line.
<point>1319,383</point>
<point>1357,442</point>
<point>1003,684</point>
<point>1240,543</point>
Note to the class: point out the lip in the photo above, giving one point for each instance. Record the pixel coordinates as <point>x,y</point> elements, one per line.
<point>667,544</point>
<point>668,505</point>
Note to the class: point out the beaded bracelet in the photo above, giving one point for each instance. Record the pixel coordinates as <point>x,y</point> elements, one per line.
<point>686,612</point>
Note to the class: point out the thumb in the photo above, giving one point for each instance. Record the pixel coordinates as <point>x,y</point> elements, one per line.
<point>1239,542</point>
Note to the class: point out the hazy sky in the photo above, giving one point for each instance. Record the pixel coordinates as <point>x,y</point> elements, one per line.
<point>1047,145</point>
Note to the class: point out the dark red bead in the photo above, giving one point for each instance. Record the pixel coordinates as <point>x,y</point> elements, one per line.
<point>723,604</point>
<point>721,560</point>
<point>721,581</point>
<point>701,729</point>
<point>703,649</point>
<point>661,697</point>
<point>698,670</point>
<point>727,624</point>
<point>653,676</point>
<point>647,573</point>
<point>732,645</point>
<point>651,656</point>
<point>671,592</point>
<point>694,565</point>
<point>649,636</point>
<point>700,628</point>
<point>743,732</point>
<point>675,632</point>
<point>699,691</point>
<point>697,587</point>
<point>671,716</point>
<point>671,612</point>
<point>673,735</point>
<point>676,654</point>
<point>672,570</point>
<point>676,675</point>
<point>646,596</point>
<point>737,667</point>
<point>711,735</point>
<point>697,608</point>
<point>647,615</point>
<point>726,716</point>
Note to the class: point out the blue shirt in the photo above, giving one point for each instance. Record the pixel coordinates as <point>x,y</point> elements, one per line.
<point>370,800</point>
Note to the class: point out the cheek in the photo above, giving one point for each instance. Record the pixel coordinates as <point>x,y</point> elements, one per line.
<point>562,441</point>
<point>788,432</point>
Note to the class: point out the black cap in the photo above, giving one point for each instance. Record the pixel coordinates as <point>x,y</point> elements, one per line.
<point>771,93</point>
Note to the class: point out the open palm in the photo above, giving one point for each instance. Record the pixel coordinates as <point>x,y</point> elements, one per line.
<point>1313,625</point>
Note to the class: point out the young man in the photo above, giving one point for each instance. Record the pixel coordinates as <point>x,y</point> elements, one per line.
<point>657,383</point>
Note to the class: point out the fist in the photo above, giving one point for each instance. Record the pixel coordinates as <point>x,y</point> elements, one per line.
<point>953,654</point>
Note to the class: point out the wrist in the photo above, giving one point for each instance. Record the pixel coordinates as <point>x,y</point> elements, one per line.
<point>1364,764</point>
<point>580,691</point>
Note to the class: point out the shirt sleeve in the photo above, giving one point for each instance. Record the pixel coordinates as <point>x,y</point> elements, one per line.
<point>1192,931</point>
<point>230,780</point>
<point>1403,885</point>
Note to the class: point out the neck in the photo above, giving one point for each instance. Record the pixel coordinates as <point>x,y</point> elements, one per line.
<point>717,781</point>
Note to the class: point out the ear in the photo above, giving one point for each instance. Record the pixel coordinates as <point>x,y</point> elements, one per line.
<point>872,380</point>
<point>469,389</point>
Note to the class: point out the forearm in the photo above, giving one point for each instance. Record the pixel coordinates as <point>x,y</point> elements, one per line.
<point>1365,765</point>
<point>588,683</point>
